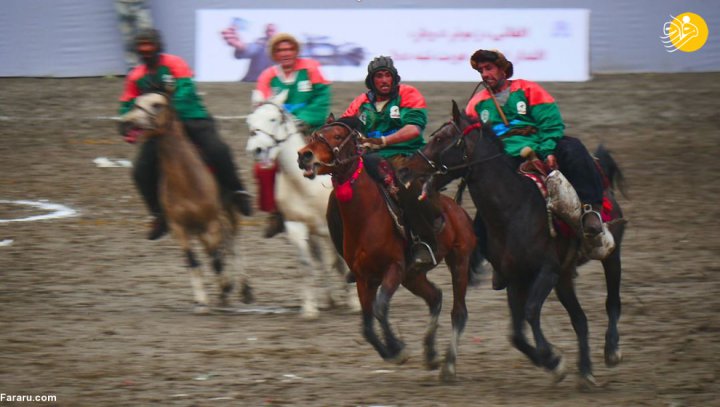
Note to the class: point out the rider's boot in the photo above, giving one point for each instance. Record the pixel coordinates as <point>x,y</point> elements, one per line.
<point>275,224</point>
<point>591,220</point>
<point>422,252</point>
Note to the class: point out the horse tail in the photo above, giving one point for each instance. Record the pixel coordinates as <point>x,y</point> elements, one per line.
<point>611,169</point>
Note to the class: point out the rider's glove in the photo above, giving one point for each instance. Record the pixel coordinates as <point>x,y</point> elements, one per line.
<point>551,162</point>
<point>373,143</point>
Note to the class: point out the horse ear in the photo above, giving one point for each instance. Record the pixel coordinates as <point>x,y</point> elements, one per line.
<point>456,112</point>
<point>280,98</point>
<point>256,98</point>
<point>330,118</point>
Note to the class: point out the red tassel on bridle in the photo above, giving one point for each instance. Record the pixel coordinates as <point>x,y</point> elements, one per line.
<point>344,191</point>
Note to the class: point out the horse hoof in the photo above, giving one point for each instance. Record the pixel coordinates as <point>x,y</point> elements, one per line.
<point>400,358</point>
<point>559,372</point>
<point>310,313</point>
<point>201,309</point>
<point>432,364</point>
<point>447,374</point>
<point>588,382</point>
<point>613,358</point>
<point>246,294</point>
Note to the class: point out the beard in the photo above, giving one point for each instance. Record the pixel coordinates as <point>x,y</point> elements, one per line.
<point>151,60</point>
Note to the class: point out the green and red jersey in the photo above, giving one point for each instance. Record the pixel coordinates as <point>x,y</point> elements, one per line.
<point>173,73</point>
<point>528,104</point>
<point>408,107</point>
<point>308,96</point>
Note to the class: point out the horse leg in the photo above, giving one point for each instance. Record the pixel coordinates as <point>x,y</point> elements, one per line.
<point>351,298</point>
<point>517,298</point>
<point>565,292</point>
<point>299,236</point>
<point>539,291</point>
<point>460,280</point>
<point>613,272</point>
<point>418,284</point>
<point>196,273</point>
<point>381,308</point>
<point>366,292</point>
<point>196,279</point>
<point>213,242</point>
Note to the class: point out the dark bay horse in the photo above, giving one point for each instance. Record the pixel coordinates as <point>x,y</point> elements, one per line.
<point>378,254</point>
<point>519,244</point>
<point>189,194</point>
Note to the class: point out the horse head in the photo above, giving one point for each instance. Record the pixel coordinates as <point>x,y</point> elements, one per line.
<point>269,125</point>
<point>447,155</point>
<point>150,115</point>
<point>331,148</point>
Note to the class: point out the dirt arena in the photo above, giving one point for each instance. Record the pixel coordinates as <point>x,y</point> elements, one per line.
<point>97,316</point>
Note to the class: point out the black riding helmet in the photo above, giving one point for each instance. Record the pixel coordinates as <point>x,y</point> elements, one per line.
<point>378,64</point>
<point>152,36</point>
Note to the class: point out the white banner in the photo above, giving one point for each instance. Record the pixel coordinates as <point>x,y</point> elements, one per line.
<point>426,44</point>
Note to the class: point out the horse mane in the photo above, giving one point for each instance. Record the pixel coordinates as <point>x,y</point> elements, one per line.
<point>487,132</point>
<point>350,121</point>
<point>375,165</point>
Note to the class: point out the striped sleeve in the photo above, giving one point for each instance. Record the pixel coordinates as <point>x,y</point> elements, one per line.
<point>264,80</point>
<point>470,110</point>
<point>354,108</point>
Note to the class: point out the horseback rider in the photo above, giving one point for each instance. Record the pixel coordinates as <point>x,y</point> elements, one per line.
<point>393,117</point>
<point>526,115</point>
<point>308,98</point>
<point>169,73</point>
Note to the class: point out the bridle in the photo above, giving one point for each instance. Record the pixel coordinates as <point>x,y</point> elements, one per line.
<point>459,141</point>
<point>153,115</point>
<point>318,136</point>
<point>284,122</point>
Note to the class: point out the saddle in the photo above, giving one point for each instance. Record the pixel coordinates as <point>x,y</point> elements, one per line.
<point>564,209</point>
<point>399,200</point>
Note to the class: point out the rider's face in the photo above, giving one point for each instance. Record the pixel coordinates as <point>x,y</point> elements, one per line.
<point>148,52</point>
<point>383,81</point>
<point>493,76</point>
<point>285,54</point>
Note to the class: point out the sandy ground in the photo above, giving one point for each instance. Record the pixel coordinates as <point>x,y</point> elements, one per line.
<point>96,315</point>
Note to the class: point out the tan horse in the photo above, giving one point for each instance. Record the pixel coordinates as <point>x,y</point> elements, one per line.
<point>189,194</point>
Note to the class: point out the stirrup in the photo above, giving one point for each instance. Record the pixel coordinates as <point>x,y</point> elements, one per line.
<point>587,210</point>
<point>420,245</point>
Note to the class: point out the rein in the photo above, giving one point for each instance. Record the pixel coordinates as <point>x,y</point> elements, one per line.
<point>284,122</point>
<point>444,169</point>
<point>352,134</point>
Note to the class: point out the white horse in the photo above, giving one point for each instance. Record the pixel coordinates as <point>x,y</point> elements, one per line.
<point>302,202</point>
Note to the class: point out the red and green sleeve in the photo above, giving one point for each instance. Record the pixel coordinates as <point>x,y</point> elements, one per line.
<point>175,75</point>
<point>308,96</point>
<point>528,104</point>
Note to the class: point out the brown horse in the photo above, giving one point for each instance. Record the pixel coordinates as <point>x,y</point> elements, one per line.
<point>189,194</point>
<point>377,253</point>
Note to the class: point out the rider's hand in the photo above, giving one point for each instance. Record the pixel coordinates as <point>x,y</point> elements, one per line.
<point>551,162</point>
<point>373,143</point>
